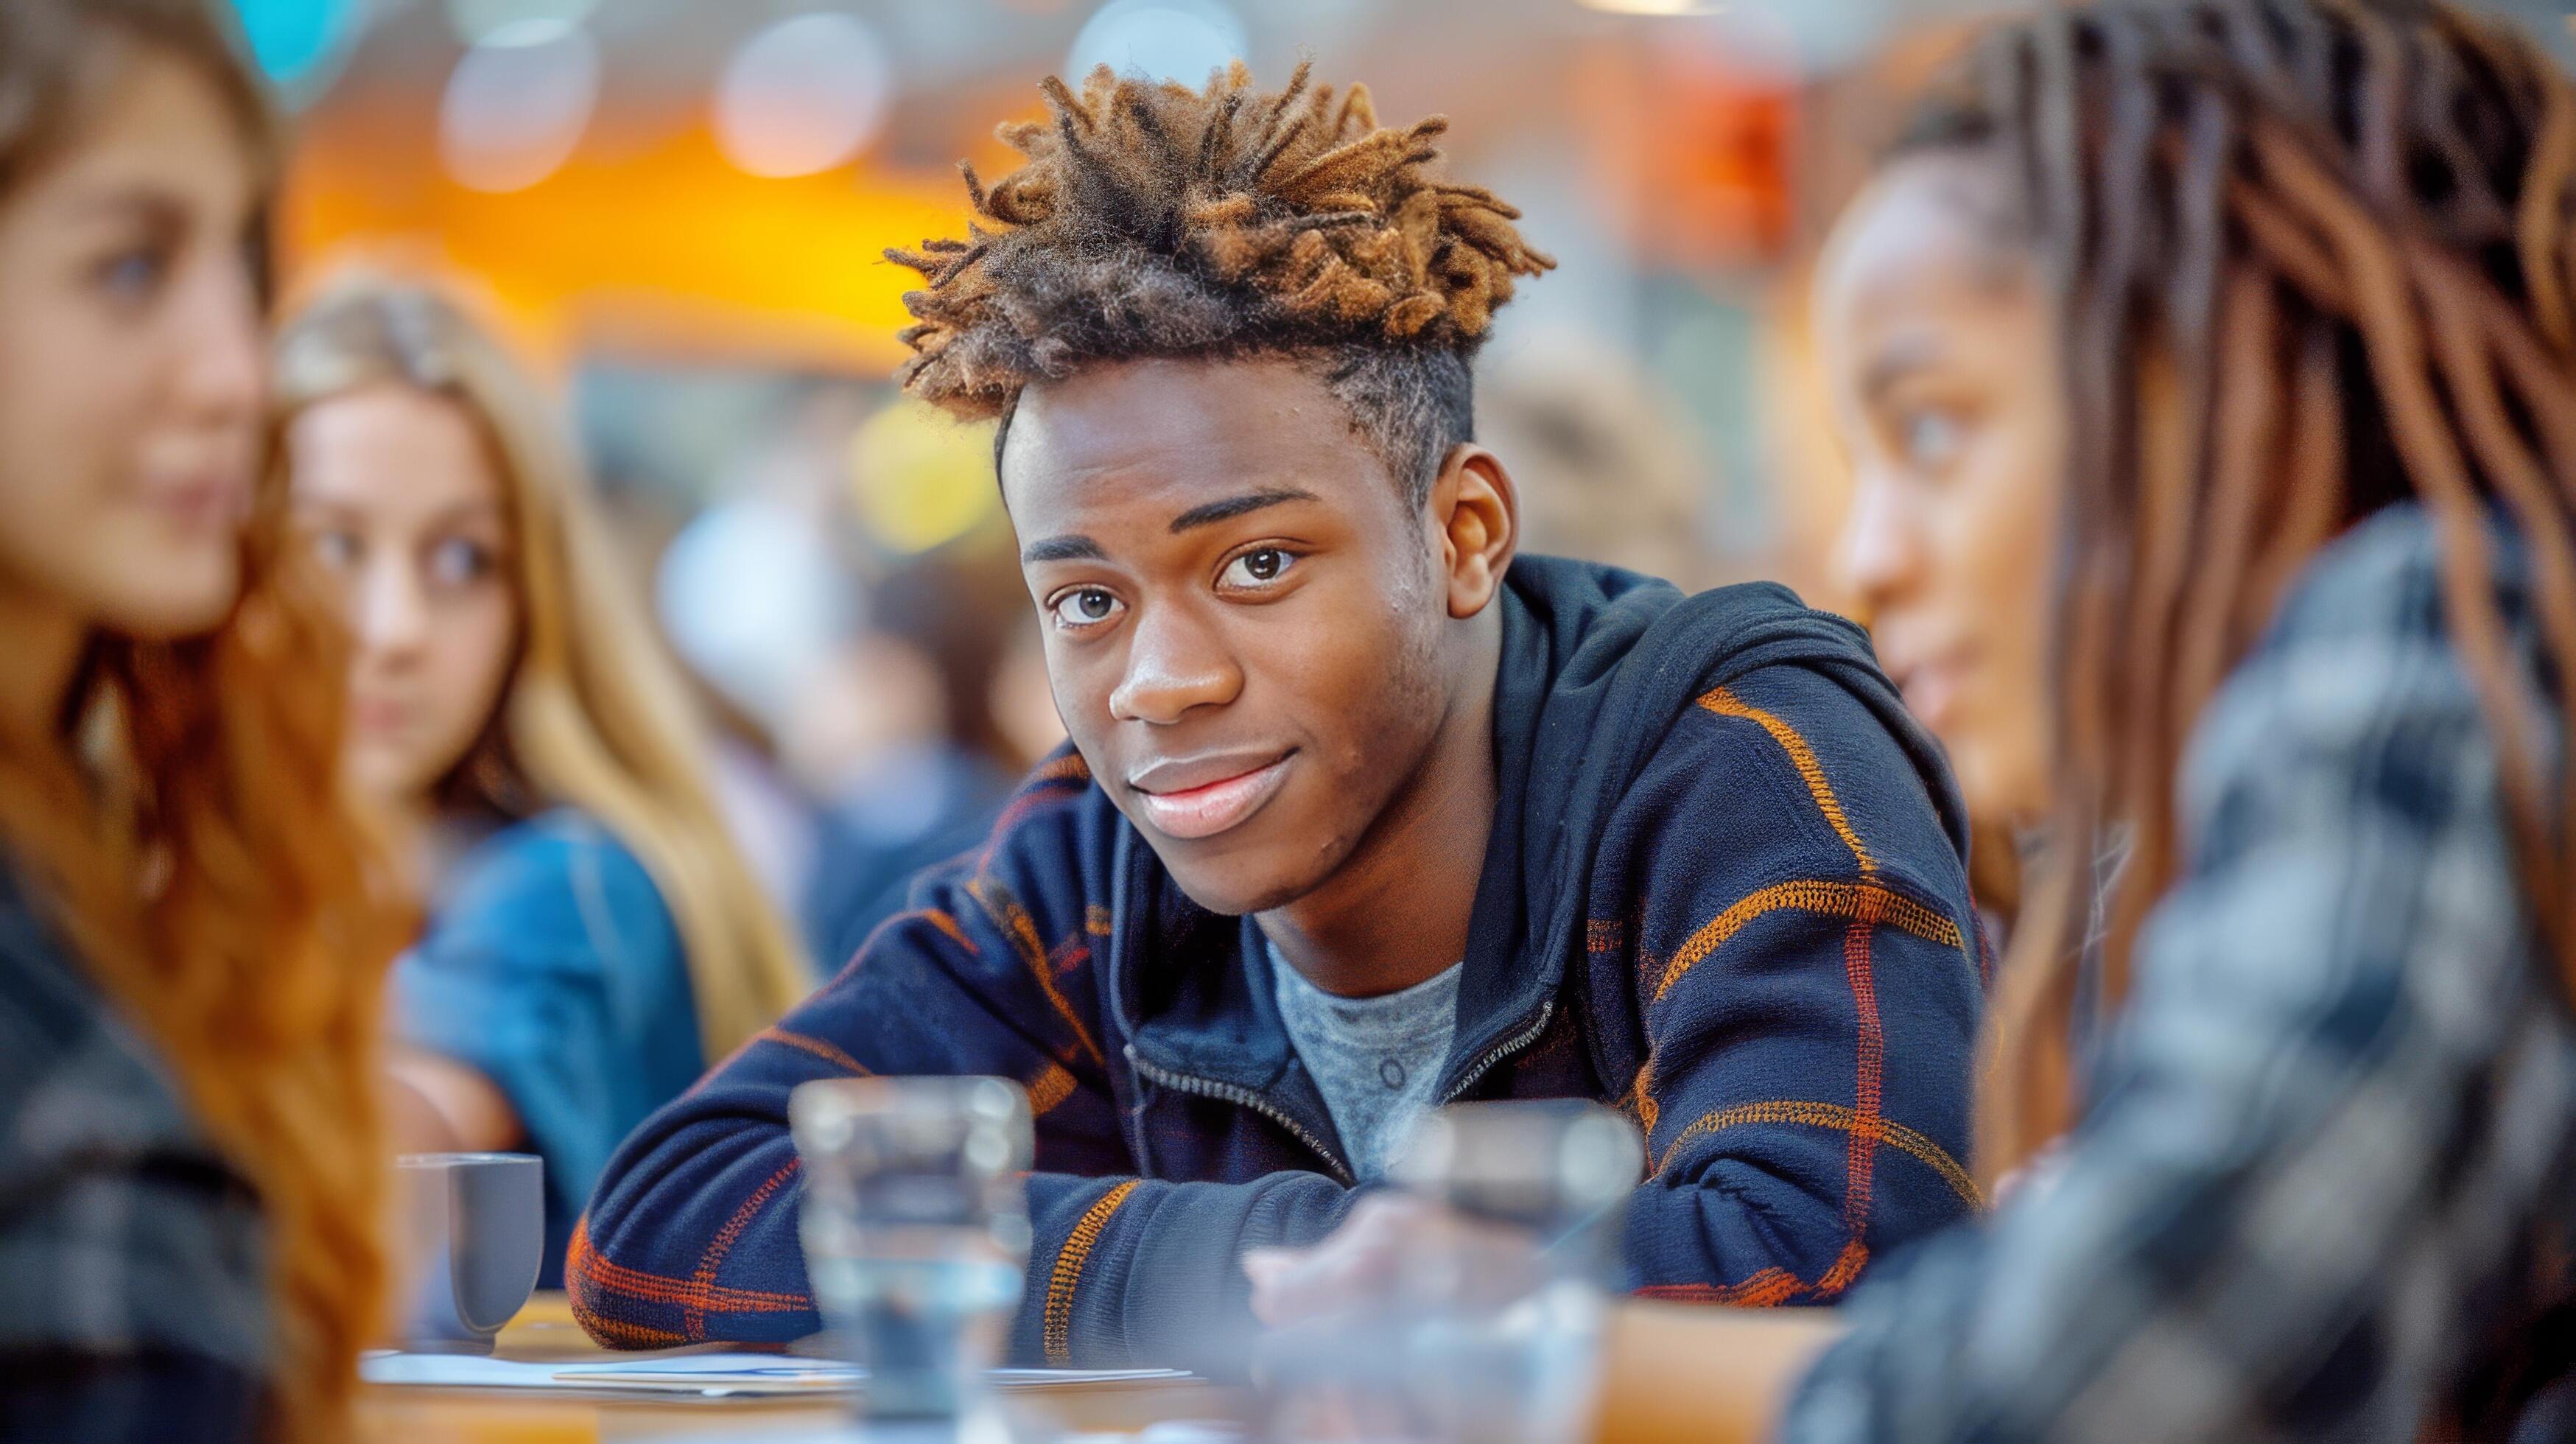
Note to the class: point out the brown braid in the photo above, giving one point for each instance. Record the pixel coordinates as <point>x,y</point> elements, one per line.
<point>2311,256</point>
<point>1153,220</point>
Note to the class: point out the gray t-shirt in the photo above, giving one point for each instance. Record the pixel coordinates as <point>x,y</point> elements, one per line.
<point>1376,1060</point>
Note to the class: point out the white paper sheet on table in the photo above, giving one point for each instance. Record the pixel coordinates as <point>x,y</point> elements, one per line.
<point>713,1374</point>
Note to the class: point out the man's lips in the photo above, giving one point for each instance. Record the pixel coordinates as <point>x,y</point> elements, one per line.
<point>1200,797</point>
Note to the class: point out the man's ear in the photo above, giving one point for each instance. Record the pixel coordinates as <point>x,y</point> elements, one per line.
<point>1476,512</point>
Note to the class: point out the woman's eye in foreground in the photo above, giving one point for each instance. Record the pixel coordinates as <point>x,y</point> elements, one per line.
<point>132,276</point>
<point>1932,437</point>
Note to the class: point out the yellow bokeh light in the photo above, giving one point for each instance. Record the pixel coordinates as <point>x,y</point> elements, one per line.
<point>919,480</point>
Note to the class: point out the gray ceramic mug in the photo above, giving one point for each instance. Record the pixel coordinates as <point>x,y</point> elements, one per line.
<point>477,1225</point>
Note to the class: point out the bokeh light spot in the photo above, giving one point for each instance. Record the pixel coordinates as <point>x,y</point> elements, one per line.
<point>517,104</point>
<point>1179,40</point>
<point>803,95</point>
<point>919,480</point>
<point>475,21</point>
<point>301,44</point>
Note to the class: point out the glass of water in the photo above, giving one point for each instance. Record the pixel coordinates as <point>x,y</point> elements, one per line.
<point>916,1233</point>
<point>1489,1328</point>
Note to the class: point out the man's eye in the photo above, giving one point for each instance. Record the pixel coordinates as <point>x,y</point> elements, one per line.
<point>1085,607</point>
<point>1258,568</point>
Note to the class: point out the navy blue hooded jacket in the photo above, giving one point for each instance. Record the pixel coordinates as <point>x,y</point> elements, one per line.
<point>1725,890</point>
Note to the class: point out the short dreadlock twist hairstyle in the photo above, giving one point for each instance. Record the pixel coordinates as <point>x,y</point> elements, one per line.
<point>1153,220</point>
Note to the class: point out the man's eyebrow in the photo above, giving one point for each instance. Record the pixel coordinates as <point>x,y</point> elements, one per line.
<point>1062,549</point>
<point>1235,506</point>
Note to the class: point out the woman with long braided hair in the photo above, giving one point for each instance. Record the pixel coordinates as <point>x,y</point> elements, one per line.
<point>2266,588</point>
<point>2307,265</point>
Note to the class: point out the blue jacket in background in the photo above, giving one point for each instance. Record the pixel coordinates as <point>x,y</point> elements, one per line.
<point>552,966</point>
<point>1724,889</point>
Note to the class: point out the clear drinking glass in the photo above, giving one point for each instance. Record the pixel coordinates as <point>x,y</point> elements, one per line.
<point>916,1233</point>
<point>1490,1328</point>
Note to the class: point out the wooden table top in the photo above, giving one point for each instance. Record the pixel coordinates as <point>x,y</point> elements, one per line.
<point>1651,1346</point>
<point>544,1333</point>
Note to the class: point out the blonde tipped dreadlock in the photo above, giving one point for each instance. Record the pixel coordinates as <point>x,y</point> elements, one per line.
<point>1153,220</point>
<point>2309,257</point>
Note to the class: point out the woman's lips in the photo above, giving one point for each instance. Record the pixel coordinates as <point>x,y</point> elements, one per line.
<point>378,717</point>
<point>1204,811</point>
<point>203,501</point>
<point>1931,691</point>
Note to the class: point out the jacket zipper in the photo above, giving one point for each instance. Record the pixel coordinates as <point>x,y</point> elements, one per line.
<point>1242,1098</point>
<point>1501,1051</point>
<point>1246,1098</point>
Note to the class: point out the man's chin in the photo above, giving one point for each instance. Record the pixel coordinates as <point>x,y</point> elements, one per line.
<point>1231,886</point>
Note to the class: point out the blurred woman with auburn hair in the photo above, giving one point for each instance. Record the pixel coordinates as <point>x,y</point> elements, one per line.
<point>596,939</point>
<point>189,956</point>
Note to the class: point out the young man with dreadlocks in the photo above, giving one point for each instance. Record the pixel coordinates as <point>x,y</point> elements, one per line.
<point>1364,813</point>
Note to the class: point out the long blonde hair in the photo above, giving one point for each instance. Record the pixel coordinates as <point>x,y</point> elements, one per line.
<point>182,827</point>
<point>595,714</point>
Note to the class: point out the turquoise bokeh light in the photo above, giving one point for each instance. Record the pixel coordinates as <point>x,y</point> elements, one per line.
<point>299,44</point>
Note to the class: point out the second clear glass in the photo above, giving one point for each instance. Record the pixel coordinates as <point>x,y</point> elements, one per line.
<point>1490,1328</point>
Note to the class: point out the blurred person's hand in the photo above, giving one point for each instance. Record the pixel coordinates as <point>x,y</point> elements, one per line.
<point>2034,1179</point>
<point>1395,1248</point>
